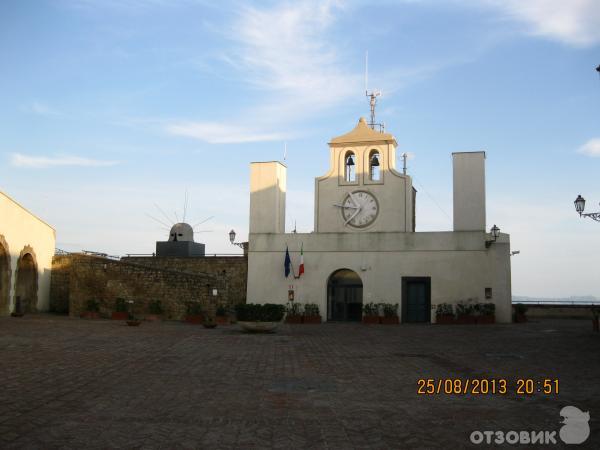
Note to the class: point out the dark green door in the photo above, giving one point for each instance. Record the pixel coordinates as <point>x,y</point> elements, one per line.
<point>344,296</point>
<point>416,296</point>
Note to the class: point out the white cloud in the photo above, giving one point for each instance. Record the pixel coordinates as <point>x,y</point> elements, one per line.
<point>42,162</point>
<point>591,148</point>
<point>217,133</point>
<point>40,109</point>
<point>575,22</point>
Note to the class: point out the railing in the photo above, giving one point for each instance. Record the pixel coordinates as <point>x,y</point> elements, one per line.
<point>100,254</point>
<point>212,255</point>
<point>559,302</point>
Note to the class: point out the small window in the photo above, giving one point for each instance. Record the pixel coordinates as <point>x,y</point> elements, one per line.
<point>488,293</point>
<point>349,167</point>
<point>374,166</point>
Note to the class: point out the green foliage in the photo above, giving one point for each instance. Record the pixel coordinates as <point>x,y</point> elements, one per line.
<point>250,312</point>
<point>389,309</point>
<point>371,309</point>
<point>293,309</point>
<point>221,311</point>
<point>465,308</point>
<point>444,309</point>
<point>193,309</point>
<point>520,308</point>
<point>487,309</point>
<point>92,306</point>
<point>311,309</point>
<point>120,305</point>
<point>155,307</point>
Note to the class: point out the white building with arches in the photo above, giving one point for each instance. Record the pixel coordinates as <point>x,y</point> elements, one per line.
<point>26,250</point>
<point>364,247</point>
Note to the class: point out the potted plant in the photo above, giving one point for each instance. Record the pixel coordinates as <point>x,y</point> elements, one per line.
<point>370,313</point>
<point>444,314</point>
<point>156,310</point>
<point>92,310</point>
<point>520,310</point>
<point>120,312</point>
<point>465,313</point>
<point>487,313</point>
<point>259,318</point>
<point>209,322</point>
<point>293,313</point>
<point>222,318</point>
<point>311,313</point>
<point>194,313</point>
<point>595,318</point>
<point>390,314</point>
<point>132,321</point>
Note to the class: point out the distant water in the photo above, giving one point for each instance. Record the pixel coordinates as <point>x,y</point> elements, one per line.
<point>584,300</point>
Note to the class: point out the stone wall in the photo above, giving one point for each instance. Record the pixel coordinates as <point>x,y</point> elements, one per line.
<point>80,278</point>
<point>60,283</point>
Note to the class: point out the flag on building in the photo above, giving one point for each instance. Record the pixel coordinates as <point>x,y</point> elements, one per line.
<point>301,269</point>
<point>287,263</point>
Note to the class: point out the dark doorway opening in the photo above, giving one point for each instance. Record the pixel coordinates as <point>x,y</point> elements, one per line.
<point>26,287</point>
<point>344,296</point>
<point>416,299</point>
<point>4,278</point>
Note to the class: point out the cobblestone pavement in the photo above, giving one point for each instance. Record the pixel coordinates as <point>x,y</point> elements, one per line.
<point>72,383</point>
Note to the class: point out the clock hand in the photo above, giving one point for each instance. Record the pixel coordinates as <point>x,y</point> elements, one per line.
<point>352,216</point>
<point>354,200</point>
<point>345,206</point>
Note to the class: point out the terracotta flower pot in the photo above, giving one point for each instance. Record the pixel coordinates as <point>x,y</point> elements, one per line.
<point>596,324</point>
<point>520,318</point>
<point>488,319</point>
<point>311,319</point>
<point>134,323</point>
<point>371,319</point>
<point>390,320</point>
<point>446,319</point>
<point>293,319</point>
<point>90,315</point>
<point>222,320</point>
<point>466,319</point>
<point>197,319</point>
<point>153,318</point>
<point>119,315</point>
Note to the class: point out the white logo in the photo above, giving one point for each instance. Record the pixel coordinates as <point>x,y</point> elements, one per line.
<point>576,428</point>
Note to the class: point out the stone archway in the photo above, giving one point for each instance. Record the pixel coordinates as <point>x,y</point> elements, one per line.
<point>344,296</point>
<point>5,273</point>
<point>26,284</point>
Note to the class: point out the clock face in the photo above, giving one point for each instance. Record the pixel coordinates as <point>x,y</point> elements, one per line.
<point>359,209</point>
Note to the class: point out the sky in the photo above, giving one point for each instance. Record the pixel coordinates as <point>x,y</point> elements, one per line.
<point>112,112</point>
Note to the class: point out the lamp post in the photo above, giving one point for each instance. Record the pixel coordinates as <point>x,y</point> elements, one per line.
<point>241,245</point>
<point>580,206</point>
<point>495,232</point>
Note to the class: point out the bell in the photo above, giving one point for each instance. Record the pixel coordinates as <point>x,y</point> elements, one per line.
<point>350,161</point>
<point>375,161</point>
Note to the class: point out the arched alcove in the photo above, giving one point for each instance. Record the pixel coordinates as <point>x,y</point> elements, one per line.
<point>4,276</point>
<point>26,284</point>
<point>344,296</point>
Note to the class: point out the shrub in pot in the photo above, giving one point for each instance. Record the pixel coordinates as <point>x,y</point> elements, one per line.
<point>293,313</point>
<point>155,310</point>
<point>120,312</point>
<point>520,310</point>
<point>222,318</point>
<point>255,317</point>
<point>444,314</point>
<point>487,313</point>
<point>465,313</point>
<point>595,318</point>
<point>92,310</point>
<point>194,313</point>
<point>311,313</point>
<point>390,314</point>
<point>370,313</point>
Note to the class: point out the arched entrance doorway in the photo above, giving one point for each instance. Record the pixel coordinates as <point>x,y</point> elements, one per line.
<point>4,276</point>
<point>344,296</point>
<point>26,286</point>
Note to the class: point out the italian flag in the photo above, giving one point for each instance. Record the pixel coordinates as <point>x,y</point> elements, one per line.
<point>301,269</point>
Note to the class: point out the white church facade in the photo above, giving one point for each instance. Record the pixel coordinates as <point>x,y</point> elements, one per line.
<point>364,247</point>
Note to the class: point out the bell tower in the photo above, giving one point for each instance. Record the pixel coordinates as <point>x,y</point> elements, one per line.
<point>362,190</point>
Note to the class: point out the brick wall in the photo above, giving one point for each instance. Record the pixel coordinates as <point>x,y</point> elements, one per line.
<point>173,281</point>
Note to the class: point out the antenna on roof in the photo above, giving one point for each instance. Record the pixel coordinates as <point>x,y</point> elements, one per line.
<point>284,150</point>
<point>372,96</point>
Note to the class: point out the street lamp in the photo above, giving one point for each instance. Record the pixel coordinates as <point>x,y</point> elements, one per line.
<point>232,240</point>
<point>580,206</point>
<point>495,232</point>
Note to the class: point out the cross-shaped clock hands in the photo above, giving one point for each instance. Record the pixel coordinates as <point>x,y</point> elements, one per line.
<point>356,206</point>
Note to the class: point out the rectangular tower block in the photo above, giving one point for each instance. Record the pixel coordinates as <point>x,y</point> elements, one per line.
<point>267,197</point>
<point>469,191</point>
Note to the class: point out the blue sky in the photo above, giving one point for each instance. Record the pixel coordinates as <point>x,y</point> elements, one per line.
<point>110,107</point>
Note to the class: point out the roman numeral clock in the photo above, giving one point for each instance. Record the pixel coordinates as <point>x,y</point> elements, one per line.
<point>359,209</point>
